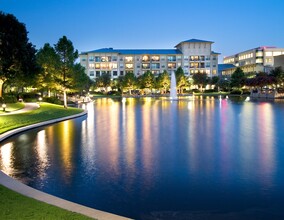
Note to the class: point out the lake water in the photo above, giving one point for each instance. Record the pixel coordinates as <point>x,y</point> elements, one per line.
<point>196,158</point>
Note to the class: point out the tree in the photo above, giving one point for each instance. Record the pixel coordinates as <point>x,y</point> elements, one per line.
<point>200,79</point>
<point>49,62</point>
<point>278,73</point>
<point>103,81</point>
<point>164,81</point>
<point>81,82</point>
<point>129,81</point>
<point>67,55</point>
<point>17,54</point>
<point>148,80</point>
<point>181,79</point>
<point>238,78</point>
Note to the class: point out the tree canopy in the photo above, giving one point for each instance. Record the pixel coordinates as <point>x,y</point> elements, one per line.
<point>17,54</point>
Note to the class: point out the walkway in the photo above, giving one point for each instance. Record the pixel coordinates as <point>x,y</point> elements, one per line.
<point>28,107</point>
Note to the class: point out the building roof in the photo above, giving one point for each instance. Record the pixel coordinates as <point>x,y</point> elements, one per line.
<point>222,67</point>
<point>194,41</point>
<point>215,53</point>
<point>135,51</point>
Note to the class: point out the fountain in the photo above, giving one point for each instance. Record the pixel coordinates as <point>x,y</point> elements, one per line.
<point>173,91</point>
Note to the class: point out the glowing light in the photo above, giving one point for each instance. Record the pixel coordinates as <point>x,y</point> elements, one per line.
<point>6,158</point>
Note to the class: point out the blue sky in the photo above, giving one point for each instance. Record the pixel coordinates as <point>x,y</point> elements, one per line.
<point>234,26</point>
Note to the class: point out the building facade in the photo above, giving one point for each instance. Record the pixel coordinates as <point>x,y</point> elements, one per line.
<point>260,59</point>
<point>194,56</point>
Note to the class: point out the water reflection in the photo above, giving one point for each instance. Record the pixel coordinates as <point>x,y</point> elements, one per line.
<point>144,155</point>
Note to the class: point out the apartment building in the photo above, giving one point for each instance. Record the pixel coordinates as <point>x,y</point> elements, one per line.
<point>260,59</point>
<point>192,55</point>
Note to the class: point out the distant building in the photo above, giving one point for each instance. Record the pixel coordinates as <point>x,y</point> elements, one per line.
<point>194,56</point>
<point>279,61</point>
<point>260,59</point>
<point>226,69</point>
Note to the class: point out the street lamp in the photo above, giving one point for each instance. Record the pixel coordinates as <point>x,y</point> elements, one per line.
<point>4,107</point>
<point>39,99</point>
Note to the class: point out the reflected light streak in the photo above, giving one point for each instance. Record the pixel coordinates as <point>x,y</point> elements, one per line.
<point>42,153</point>
<point>6,158</point>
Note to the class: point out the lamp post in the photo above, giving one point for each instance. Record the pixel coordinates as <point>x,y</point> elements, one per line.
<point>39,99</point>
<point>4,107</point>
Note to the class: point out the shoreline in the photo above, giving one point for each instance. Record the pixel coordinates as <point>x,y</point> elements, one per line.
<point>25,190</point>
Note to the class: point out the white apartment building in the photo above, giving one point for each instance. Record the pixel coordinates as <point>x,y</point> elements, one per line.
<point>260,59</point>
<point>192,55</point>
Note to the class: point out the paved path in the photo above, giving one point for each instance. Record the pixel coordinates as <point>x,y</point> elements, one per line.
<point>28,107</point>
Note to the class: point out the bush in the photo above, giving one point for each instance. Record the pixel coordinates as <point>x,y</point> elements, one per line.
<point>209,91</point>
<point>29,97</point>
<point>237,92</point>
<point>9,98</point>
<point>53,100</point>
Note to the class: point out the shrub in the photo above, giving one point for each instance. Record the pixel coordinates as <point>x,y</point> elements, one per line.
<point>29,97</point>
<point>53,100</point>
<point>236,92</point>
<point>209,91</point>
<point>9,98</point>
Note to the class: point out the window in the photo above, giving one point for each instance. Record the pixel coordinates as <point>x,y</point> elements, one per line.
<point>172,58</point>
<point>163,58</point>
<point>114,73</point>
<point>129,66</point>
<point>98,73</point>
<point>114,58</point>
<point>171,65</point>
<point>92,73</point>
<point>114,65</point>
<point>207,64</point>
<point>268,54</point>
<point>185,57</point>
<point>145,66</point>
<point>97,59</point>
<point>106,59</point>
<point>121,65</point>
<point>129,59</point>
<point>91,58</point>
<point>145,58</point>
<point>155,66</point>
<point>121,73</point>
<point>91,65</point>
<point>178,57</point>
<point>155,58</point>
<point>83,59</point>
<point>98,66</point>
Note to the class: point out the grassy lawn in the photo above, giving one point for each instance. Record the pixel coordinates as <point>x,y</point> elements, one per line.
<point>15,206</point>
<point>45,112</point>
<point>12,107</point>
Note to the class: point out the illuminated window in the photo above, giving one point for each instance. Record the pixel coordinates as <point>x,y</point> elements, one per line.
<point>194,65</point>
<point>145,66</point>
<point>114,65</point>
<point>155,58</point>
<point>171,65</point>
<point>129,59</point>
<point>145,58</point>
<point>129,66</point>
<point>91,65</point>
<point>98,66</point>
<point>277,53</point>
<point>268,54</point>
<point>259,60</point>
<point>259,54</point>
<point>214,72</point>
<point>106,59</point>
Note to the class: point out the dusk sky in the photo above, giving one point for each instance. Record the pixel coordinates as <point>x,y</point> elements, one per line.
<point>234,26</point>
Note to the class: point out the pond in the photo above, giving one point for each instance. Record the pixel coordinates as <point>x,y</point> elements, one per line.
<point>151,158</point>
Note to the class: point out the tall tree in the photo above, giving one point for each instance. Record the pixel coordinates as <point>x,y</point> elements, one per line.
<point>238,78</point>
<point>164,81</point>
<point>181,80</point>
<point>81,82</point>
<point>67,54</point>
<point>200,79</point>
<point>49,62</point>
<point>278,73</point>
<point>129,81</point>
<point>103,81</point>
<point>17,54</point>
<point>148,80</point>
